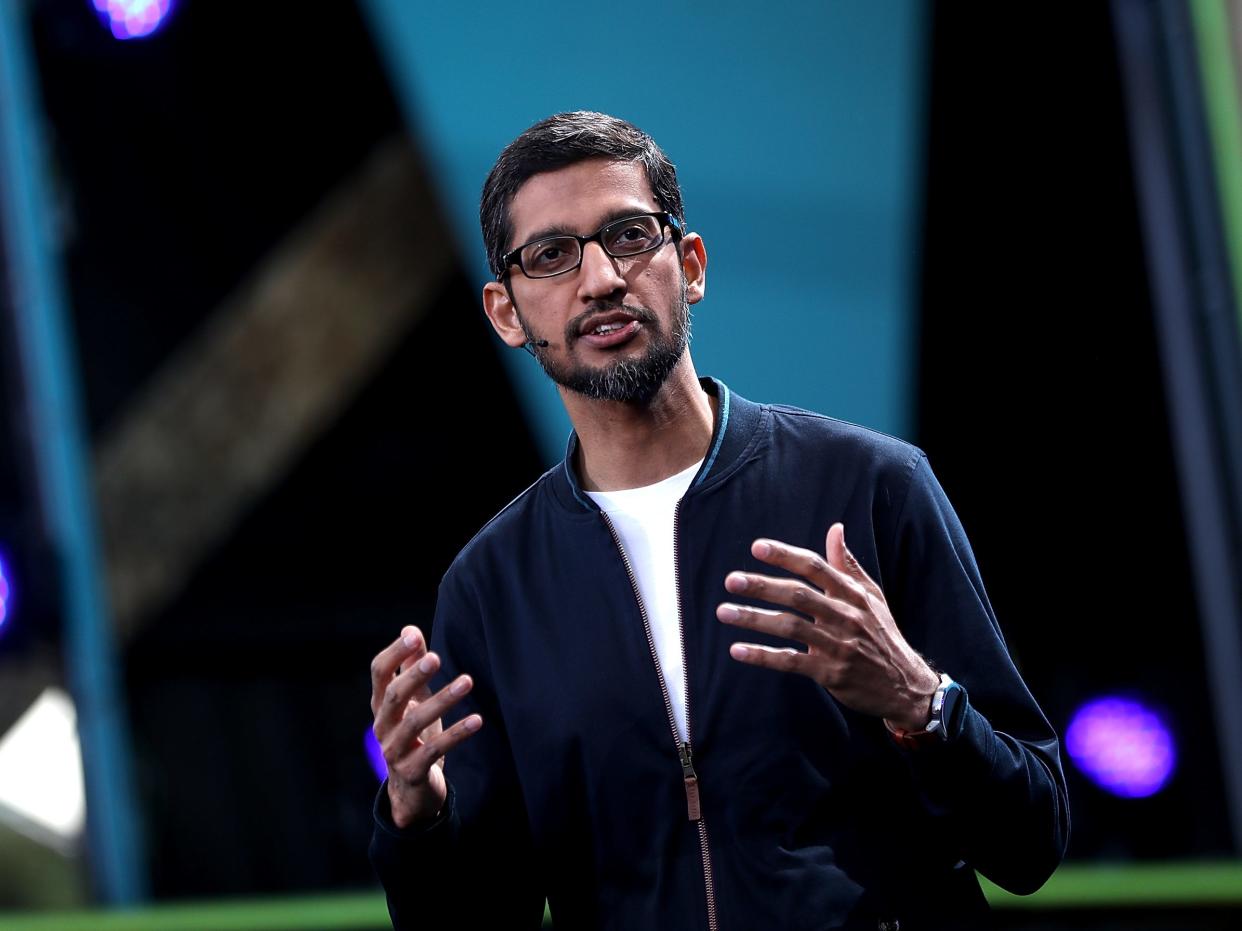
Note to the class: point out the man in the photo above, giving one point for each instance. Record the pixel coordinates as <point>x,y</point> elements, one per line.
<point>677,703</point>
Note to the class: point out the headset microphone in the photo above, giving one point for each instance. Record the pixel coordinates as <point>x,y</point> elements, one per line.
<point>530,345</point>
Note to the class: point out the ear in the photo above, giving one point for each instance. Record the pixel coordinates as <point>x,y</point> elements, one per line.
<point>502,314</point>
<point>694,265</point>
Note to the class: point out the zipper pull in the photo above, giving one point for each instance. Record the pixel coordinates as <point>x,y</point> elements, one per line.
<point>691,779</point>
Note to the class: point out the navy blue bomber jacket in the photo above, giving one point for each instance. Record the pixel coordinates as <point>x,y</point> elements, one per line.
<point>810,816</point>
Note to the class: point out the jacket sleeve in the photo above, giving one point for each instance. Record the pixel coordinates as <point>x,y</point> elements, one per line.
<point>474,866</point>
<point>998,777</point>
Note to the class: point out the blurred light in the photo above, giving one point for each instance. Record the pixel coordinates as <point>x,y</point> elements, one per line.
<point>41,788</point>
<point>376,756</point>
<point>133,19</point>
<point>4,595</point>
<point>1121,745</point>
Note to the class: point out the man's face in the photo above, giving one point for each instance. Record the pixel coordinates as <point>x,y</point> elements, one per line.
<point>616,327</point>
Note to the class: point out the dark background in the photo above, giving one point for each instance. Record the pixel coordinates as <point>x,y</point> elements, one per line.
<point>183,161</point>
<point>1040,398</point>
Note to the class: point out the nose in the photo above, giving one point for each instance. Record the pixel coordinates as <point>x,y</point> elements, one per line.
<point>598,278</point>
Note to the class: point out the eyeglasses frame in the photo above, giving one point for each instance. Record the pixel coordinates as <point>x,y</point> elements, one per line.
<point>514,256</point>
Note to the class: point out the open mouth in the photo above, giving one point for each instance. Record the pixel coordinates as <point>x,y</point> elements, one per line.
<point>610,329</point>
<point>605,328</point>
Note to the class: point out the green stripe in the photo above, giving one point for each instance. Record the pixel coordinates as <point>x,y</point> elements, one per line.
<point>311,913</point>
<point>338,911</point>
<point>1224,116</point>
<point>1186,884</point>
<point>1155,884</point>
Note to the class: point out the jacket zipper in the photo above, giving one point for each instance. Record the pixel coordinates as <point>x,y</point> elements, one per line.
<point>684,753</point>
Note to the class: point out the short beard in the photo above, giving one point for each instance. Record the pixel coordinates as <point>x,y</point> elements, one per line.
<point>630,381</point>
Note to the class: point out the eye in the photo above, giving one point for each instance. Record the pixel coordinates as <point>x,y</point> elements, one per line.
<point>549,256</point>
<point>635,235</point>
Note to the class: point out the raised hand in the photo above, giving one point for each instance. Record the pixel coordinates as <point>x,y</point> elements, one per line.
<point>407,726</point>
<point>853,646</point>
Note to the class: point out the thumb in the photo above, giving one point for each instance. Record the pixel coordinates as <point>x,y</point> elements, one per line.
<point>840,557</point>
<point>835,551</point>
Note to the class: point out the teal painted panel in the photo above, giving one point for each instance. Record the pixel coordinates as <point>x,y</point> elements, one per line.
<point>797,130</point>
<point>62,455</point>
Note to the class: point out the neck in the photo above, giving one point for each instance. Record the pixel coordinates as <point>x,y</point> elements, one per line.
<point>629,445</point>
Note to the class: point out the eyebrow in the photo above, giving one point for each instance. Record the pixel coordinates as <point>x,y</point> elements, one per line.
<point>563,230</point>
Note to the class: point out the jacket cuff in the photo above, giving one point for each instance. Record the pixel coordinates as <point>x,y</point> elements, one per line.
<point>948,770</point>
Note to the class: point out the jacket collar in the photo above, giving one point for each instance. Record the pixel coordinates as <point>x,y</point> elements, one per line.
<point>737,421</point>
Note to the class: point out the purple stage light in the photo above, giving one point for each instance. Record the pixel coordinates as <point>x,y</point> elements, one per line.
<point>4,595</point>
<point>376,756</point>
<point>133,19</point>
<point>1122,745</point>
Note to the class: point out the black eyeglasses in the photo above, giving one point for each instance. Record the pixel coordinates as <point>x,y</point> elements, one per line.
<point>623,238</point>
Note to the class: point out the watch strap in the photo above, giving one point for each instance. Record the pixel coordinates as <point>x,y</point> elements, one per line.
<point>935,731</point>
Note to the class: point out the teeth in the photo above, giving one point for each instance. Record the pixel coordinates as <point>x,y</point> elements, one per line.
<point>607,328</point>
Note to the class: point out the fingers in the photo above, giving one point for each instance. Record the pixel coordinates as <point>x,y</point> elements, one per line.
<point>793,593</point>
<point>809,565</point>
<point>415,765</point>
<point>421,715</point>
<point>780,659</point>
<point>413,743</point>
<point>407,714</point>
<point>777,623</point>
<point>405,649</point>
<point>408,689</point>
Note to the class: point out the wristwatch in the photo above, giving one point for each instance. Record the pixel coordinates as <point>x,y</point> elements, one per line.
<point>943,705</point>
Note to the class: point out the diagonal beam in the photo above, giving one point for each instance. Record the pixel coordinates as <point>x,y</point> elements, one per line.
<point>230,412</point>
<point>62,466</point>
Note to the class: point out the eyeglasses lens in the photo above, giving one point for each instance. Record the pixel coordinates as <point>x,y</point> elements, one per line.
<point>559,254</point>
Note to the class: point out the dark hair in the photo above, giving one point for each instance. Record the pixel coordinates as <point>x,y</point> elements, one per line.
<point>560,141</point>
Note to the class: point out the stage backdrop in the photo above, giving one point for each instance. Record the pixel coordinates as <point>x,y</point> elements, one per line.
<point>797,133</point>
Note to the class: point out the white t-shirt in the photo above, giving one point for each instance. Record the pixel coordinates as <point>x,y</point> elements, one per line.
<point>643,518</point>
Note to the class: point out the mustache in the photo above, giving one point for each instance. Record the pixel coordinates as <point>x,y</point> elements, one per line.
<point>637,311</point>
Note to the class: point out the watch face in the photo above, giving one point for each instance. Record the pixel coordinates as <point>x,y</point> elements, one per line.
<point>949,723</point>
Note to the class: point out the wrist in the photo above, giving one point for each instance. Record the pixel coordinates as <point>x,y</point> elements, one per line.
<point>405,815</point>
<point>945,703</point>
<point>917,712</point>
